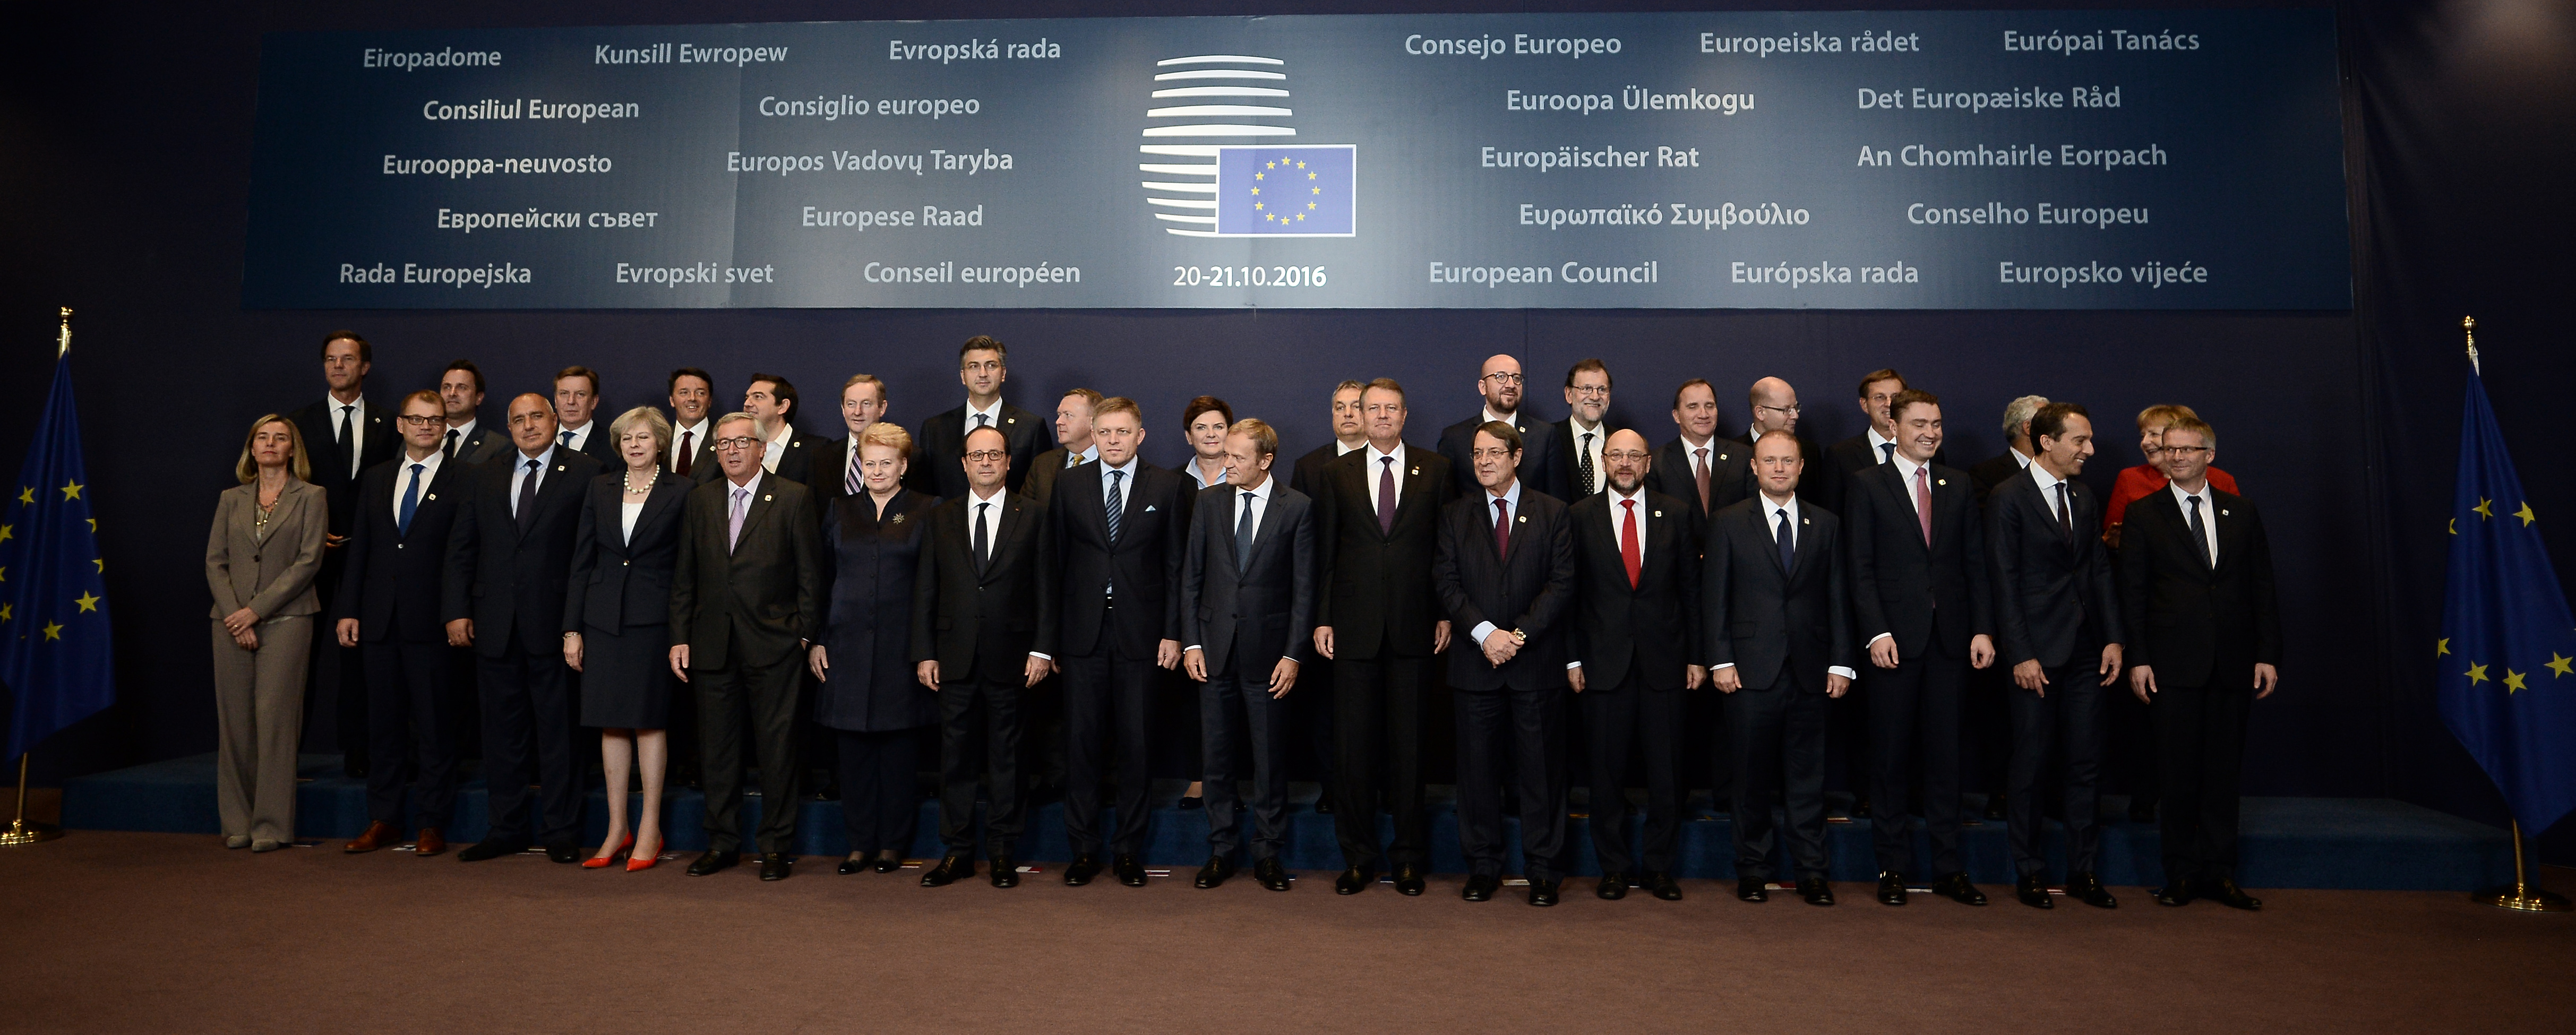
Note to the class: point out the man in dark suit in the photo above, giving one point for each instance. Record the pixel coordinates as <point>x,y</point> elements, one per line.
<point>1875,445</point>
<point>1499,382</point>
<point>982,365</point>
<point>1697,462</point>
<point>693,439</point>
<point>1989,718</point>
<point>746,597</point>
<point>1073,448</point>
<point>460,394</point>
<point>577,405</point>
<point>343,434</point>
<point>388,608</point>
<point>1119,533</point>
<point>1774,624</point>
<point>771,402</point>
<point>1994,470</point>
<point>1042,762</point>
<point>1506,556</point>
<point>509,562</point>
<point>983,630</point>
<point>2059,622</point>
<point>1774,404</point>
<point>1922,612</point>
<point>1574,446</point>
<point>2204,640</point>
<point>1635,624</point>
<point>1379,622</point>
<point>1248,616</point>
<point>1311,713</point>
<point>836,463</point>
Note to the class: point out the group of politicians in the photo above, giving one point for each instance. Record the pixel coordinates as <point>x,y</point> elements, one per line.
<point>774,591</point>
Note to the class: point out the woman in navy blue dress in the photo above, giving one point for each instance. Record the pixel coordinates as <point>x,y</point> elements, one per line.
<point>868,696</point>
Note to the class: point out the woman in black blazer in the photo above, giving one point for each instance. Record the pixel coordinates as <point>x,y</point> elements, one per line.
<point>871,699</point>
<point>617,624</point>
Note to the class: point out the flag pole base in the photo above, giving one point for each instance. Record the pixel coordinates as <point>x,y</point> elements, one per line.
<point>2524,899</point>
<point>24,833</point>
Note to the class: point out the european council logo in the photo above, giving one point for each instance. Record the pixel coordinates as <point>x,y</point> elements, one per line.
<point>1238,189</point>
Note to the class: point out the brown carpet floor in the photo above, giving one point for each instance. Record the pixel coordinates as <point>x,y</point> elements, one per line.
<point>163,932</point>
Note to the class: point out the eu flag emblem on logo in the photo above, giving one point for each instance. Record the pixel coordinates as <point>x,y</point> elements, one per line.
<point>1304,191</point>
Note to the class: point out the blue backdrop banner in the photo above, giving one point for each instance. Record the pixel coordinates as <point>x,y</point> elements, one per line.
<point>1965,159</point>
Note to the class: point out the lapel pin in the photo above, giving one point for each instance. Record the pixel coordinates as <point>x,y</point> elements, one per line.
<point>1417,470</point>
<point>1659,513</point>
<point>1941,481</point>
<point>2222,513</point>
<point>896,520</point>
<point>1524,517</point>
<point>433,496</point>
<point>764,497</point>
<point>1149,508</point>
<point>1806,521</point>
<point>1010,420</point>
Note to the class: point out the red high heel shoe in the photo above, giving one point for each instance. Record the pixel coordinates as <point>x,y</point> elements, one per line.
<point>602,863</point>
<point>643,861</point>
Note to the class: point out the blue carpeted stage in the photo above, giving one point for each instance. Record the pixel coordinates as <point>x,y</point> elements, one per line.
<point>2288,842</point>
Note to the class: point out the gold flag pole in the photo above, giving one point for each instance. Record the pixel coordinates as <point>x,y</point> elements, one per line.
<point>20,831</point>
<point>2468,326</point>
<point>2522,897</point>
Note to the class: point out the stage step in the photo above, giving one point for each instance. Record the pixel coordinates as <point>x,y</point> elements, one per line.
<point>2287,842</point>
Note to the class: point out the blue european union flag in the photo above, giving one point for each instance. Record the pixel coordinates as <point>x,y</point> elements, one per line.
<point>1305,191</point>
<point>2507,683</point>
<point>53,594</point>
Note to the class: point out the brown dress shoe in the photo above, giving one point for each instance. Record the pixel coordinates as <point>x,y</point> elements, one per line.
<point>380,834</point>
<point>429,842</point>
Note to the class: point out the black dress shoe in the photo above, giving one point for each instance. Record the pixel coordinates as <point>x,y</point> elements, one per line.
<point>1664,886</point>
<point>1891,888</point>
<point>1084,868</point>
<point>1752,889</point>
<point>1214,873</point>
<point>949,871</point>
<point>712,862</point>
<point>563,853</point>
<point>1272,874</point>
<point>886,861</point>
<point>1188,803</point>
<point>2142,810</point>
<point>2174,893</point>
<point>1816,891</point>
<point>1959,890</point>
<point>1543,892</point>
<point>1995,807</point>
<point>1006,872</point>
<point>1409,878</point>
<point>1613,887</point>
<point>1130,870</point>
<point>2089,889</point>
<point>2224,891</point>
<point>1353,881</point>
<point>855,864</point>
<point>776,865</point>
<point>489,849</point>
<point>1480,887</point>
<point>2032,890</point>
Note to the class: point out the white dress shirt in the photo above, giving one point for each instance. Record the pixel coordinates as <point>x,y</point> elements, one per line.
<point>1485,498</point>
<point>1089,453</point>
<point>580,435</point>
<point>1600,437</point>
<point>777,447</point>
<point>2208,513</point>
<point>1342,449</point>
<point>1201,479</point>
<point>1771,523</point>
<point>991,517</point>
<point>992,418</point>
<point>1878,451</point>
<point>1905,469</point>
<point>1258,504</point>
<point>697,441</point>
<point>464,435</point>
<point>1618,524</point>
<point>356,412</point>
<point>402,478</point>
<point>2048,491</point>
<point>519,472</point>
<point>1375,466</point>
<point>2019,458</point>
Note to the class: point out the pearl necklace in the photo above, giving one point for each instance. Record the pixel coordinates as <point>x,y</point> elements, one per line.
<point>628,479</point>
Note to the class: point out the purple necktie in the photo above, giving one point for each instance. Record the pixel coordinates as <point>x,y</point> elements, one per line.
<point>1502,528</point>
<point>1386,496</point>
<point>733,523</point>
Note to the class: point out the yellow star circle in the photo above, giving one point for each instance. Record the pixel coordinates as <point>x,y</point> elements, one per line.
<point>87,601</point>
<point>2477,674</point>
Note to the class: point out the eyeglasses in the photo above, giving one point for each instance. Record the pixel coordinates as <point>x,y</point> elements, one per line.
<point>1589,391</point>
<point>1502,378</point>
<point>1624,455</point>
<point>985,456</point>
<point>984,367</point>
<point>2185,450</point>
<point>418,421</point>
<point>737,442</point>
<point>1792,409</point>
<point>1491,454</point>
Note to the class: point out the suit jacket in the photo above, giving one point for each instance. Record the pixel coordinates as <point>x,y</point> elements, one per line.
<point>1308,475</point>
<point>1670,474</point>
<point>1529,588</point>
<point>875,557</point>
<point>2053,592</point>
<point>992,616</point>
<point>1900,585</point>
<point>1990,472</point>
<point>599,446</point>
<point>479,448</point>
<point>1377,585</point>
<point>321,430</point>
<point>1250,612</point>
<point>1767,622</point>
<point>756,601</point>
<point>1653,625</point>
<point>1143,565</point>
<point>828,469</point>
<point>703,465</point>
<point>505,580</point>
<point>1043,472</point>
<point>622,581</point>
<point>390,579</point>
<point>1560,471</point>
<point>271,572</point>
<point>1844,459</point>
<point>795,461</point>
<point>2198,625</point>
<point>1458,441</point>
<point>939,451</point>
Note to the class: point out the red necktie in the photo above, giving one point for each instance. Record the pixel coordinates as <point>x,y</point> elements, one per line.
<point>1923,504</point>
<point>1502,528</point>
<point>1630,553</point>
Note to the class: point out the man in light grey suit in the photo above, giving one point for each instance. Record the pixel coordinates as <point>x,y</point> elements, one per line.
<point>1248,615</point>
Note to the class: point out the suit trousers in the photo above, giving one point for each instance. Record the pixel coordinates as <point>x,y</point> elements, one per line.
<point>411,723</point>
<point>1915,707</point>
<point>979,736</point>
<point>2131,749</point>
<point>2200,739</point>
<point>1522,733</point>
<point>1848,730</point>
<point>2069,720</point>
<point>527,738</point>
<point>879,803</point>
<point>339,674</point>
<point>1617,716</point>
<point>1377,715</point>
<point>756,702</point>
<point>1105,711</point>
<point>1234,708</point>
<point>1777,740</point>
<point>1310,722</point>
<point>1987,757</point>
<point>259,722</point>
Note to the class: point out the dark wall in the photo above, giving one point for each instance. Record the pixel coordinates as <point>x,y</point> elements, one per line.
<point>124,150</point>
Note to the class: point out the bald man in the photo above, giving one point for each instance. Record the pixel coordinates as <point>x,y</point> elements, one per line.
<point>1499,381</point>
<point>1773,405</point>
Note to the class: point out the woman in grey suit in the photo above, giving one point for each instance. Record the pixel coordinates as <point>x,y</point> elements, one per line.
<point>617,625</point>
<point>868,694</point>
<point>261,558</point>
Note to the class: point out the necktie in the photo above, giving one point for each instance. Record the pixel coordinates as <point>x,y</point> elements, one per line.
<point>1887,452</point>
<point>1788,542</point>
<point>1502,528</point>
<point>527,512</point>
<point>1699,473</point>
<point>410,503</point>
<point>850,481</point>
<point>449,451</point>
<point>1923,503</point>
<point>1630,553</point>
<point>1386,495</point>
<point>2200,533</point>
<point>1583,464</point>
<point>680,464</point>
<point>564,437</point>
<point>982,420</point>
<point>1243,535</point>
<point>983,538</point>
<point>1117,503</point>
<point>2065,514</point>
<point>733,521</point>
<point>348,444</point>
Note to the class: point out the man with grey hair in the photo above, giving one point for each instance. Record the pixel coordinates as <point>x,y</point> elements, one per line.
<point>1985,476</point>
